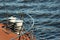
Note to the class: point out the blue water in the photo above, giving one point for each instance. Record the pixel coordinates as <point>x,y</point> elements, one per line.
<point>46,14</point>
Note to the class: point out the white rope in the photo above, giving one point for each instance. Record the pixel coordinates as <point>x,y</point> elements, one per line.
<point>32,21</point>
